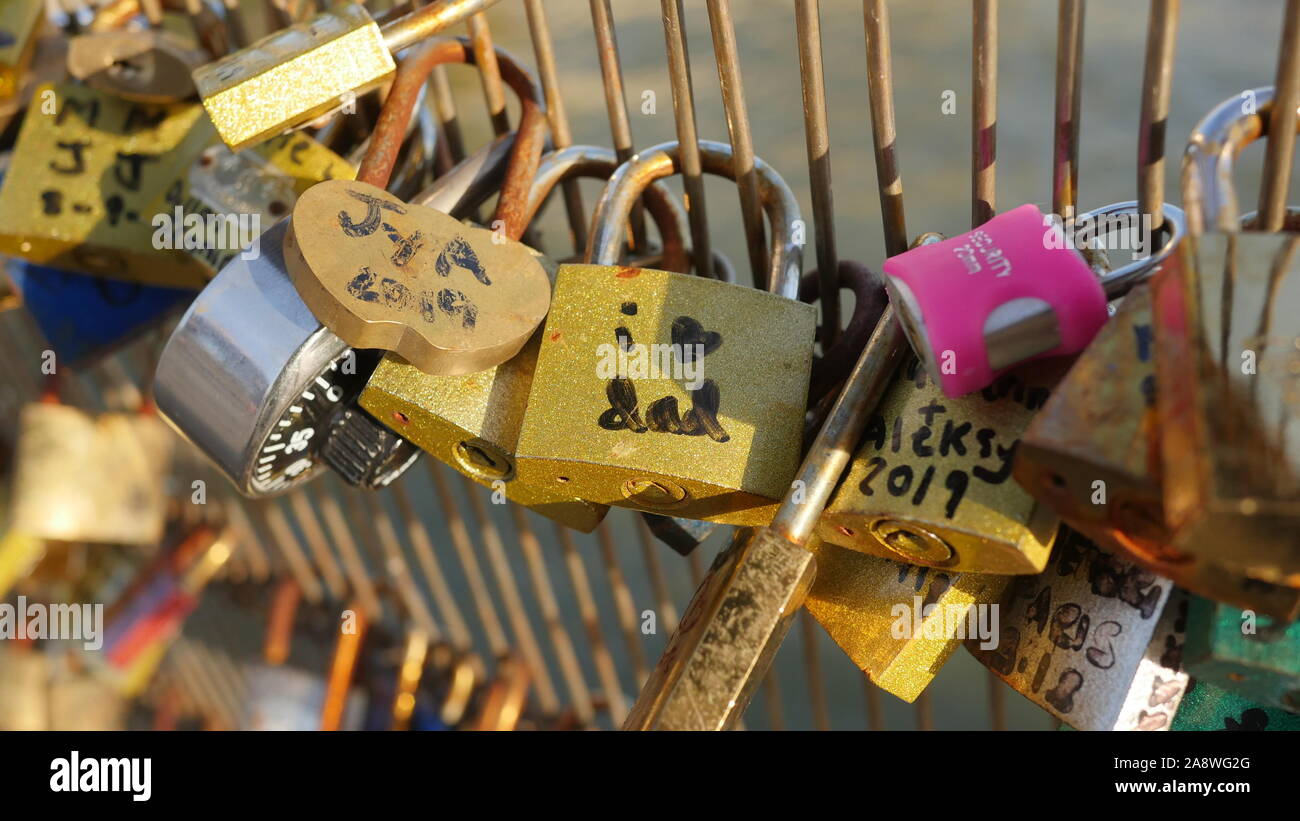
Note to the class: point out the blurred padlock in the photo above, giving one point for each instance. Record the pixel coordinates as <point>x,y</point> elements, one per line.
<point>1248,654</point>
<point>90,478</point>
<point>645,393</point>
<point>931,483</point>
<point>1227,319</point>
<point>85,318</point>
<point>472,422</point>
<point>1074,639</point>
<point>900,623</point>
<point>20,24</point>
<point>1013,290</point>
<point>1092,454</point>
<point>298,73</point>
<point>85,170</point>
<point>1206,707</point>
<point>145,66</point>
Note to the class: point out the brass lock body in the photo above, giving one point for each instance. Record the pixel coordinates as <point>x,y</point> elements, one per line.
<point>931,482</point>
<point>707,422</point>
<point>79,188</point>
<point>472,423</point>
<point>301,71</point>
<point>1073,639</point>
<point>1227,314</point>
<point>900,623</point>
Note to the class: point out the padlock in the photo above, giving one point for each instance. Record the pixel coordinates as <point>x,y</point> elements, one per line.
<point>86,318</point>
<point>1092,454</point>
<point>1074,638</point>
<point>900,623</point>
<point>472,422</point>
<point>931,482</point>
<point>294,75</point>
<point>1011,291</point>
<point>20,24</point>
<point>737,619</point>
<point>1206,707</point>
<point>1226,312</point>
<point>91,478</point>
<point>644,394</point>
<point>450,299</point>
<point>1241,651</point>
<point>505,697</point>
<point>85,169</point>
<point>144,66</point>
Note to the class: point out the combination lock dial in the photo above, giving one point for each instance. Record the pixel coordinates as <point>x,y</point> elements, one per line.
<point>265,391</point>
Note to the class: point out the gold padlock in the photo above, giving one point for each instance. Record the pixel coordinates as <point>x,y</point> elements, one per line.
<point>472,422</point>
<point>1093,454</point>
<point>82,178</point>
<point>931,483</point>
<point>1227,317</point>
<point>20,22</point>
<point>85,478</point>
<point>295,75</point>
<point>1073,638</point>
<point>669,393</point>
<point>900,623</point>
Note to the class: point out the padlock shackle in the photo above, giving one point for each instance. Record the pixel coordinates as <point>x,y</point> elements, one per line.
<point>440,15</point>
<point>598,162</point>
<point>835,443</point>
<point>630,180</point>
<point>391,127</point>
<point>1121,280</point>
<point>1209,196</point>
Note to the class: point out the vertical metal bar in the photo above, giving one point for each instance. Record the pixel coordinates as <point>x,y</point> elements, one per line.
<point>679,71</point>
<point>813,666</point>
<point>924,712</point>
<point>544,51</point>
<point>602,21</point>
<point>485,57</point>
<point>772,701</point>
<point>448,609</point>
<point>655,573</point>
<point>273,519</point>
<point>624,608</point>
<point>362,588</point>
<point>1157,78</point>
<point>1282,122</point>
<point>498,644</point>
<point>997,703</point>
<point>884,135</point>
<point>570,669</point>
<point>605,670</point>
<point>727,56</point>
<point>531,649</point>
<point>332,577</point>
<point>399,571</point>
<point>984,111</point>
<point>818,138</point>
<point>445,104</point>
<point>254,552</point>
<point>1069,91</point>
<point>875,720</point>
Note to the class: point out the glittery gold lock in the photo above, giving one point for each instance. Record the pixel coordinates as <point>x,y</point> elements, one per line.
<point>82,179</point>
<point>900,623</point>
<point>19,24</point>
<point>1095,640</point>
<point>472,422</point>
<point>307,69</point>
<point>932,485</point>
<point>669,393</point>
<point>1227,328</point>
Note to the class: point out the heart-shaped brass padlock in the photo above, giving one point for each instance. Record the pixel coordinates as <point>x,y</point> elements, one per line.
<point>448,297</point>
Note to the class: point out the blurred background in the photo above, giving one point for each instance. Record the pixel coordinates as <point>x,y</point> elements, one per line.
<point>1222,49</point>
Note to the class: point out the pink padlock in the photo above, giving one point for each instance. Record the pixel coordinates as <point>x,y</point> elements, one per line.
<point>1008,292</point>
